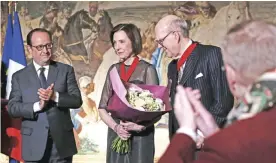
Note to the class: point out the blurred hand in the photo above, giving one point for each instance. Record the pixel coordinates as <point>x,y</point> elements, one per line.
<point>199,142</point>
<point>122,133</point>
<point>204,120</point>
<point>183,109</point>
<point>130,126</point>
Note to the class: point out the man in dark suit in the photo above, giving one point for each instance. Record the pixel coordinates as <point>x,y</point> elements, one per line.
<point>194,65</point>
<point>42,94</point>
<point>250,133</point>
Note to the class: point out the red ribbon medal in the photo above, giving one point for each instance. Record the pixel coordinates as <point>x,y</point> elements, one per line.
<point>126,75</point>
<point>185,55</point>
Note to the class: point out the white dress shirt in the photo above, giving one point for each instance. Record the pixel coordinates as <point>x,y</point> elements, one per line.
<point>46,71</point>
<point>187,131</point>
<point>190,132</point>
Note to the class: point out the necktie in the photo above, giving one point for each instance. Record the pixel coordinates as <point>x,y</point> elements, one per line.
<point>43,84</point>
<point>42,78</point>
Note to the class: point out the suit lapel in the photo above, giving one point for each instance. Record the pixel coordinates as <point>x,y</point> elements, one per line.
<point>173,73</point>
<point>190,65</point>
<point>52,74</point>
<point>33,77</point>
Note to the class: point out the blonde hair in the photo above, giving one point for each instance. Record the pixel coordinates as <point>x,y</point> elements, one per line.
<point>250,48</point>
<point>149,45</point>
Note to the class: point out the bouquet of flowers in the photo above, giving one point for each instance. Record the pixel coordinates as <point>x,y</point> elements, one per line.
<point>144,100</point>
<point>138,103</point>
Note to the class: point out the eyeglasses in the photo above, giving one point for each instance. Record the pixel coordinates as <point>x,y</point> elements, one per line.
<point>160,41</point>
<point>41,47</point>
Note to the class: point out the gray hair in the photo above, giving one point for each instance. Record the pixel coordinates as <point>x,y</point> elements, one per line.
<point>180,25</point>
<point>250,48</point>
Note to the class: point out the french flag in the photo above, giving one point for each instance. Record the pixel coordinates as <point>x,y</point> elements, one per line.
<point>13,59</point>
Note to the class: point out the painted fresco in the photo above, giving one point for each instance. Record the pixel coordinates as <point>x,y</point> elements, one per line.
<point>81,39</point>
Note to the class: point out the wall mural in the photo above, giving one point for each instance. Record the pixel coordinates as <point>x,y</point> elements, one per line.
<point>81,39</point>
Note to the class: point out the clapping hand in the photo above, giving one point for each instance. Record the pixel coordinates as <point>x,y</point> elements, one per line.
<point>204,119</point>
<point>191,113</point>
<point>183,109</point>
<point>45,95</point>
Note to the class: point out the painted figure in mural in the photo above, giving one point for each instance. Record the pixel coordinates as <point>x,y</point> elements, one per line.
<point>3,30</point>
<point>73,40</point>
<point>186,11</point>
<point>42,94</point>
<point>248,52</point>
<point>24,13</point>
<point>225,18</point>
<point>149,45</point>
<point>197,13</point>
<point>101,42</point>
<point>88,112</point>
<point>88,106</point>
<point>49,22</point>
<point>206,13</point>
<point>64,16</point>
<point>206,9</point>
<point>237,12</point>
<point>59,54</point>
<point>26,18</point>
<point>49,19</point>
<point>194,65</point>
<point>26,26</point>
<point>127,42</point>
<point>93,14</point>
<point>4,17</point>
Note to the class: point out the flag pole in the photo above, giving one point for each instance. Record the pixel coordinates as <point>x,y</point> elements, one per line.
<point>10,7</point>
<point>15,6</point>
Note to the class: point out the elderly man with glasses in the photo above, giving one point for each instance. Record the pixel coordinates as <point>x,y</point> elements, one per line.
<point>42,95</point>
<point>195,65</point>
<point>248,51</point>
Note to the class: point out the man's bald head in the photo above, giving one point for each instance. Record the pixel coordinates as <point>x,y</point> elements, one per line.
<point>171,34</point>
<point>172,23</point>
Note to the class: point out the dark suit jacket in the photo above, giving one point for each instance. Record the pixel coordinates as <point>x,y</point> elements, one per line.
<point>213,86</point>
<point>247,141</point>
<point>25,85</point>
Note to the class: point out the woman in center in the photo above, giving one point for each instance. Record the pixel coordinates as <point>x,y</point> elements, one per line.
<point>127,42</point>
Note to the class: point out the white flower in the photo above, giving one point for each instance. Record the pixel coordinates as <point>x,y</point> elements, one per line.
<point>159,101</point>
<point>143,100</point>
<point>145,93</point>
<point>149,100</point>
<point>132,89</point>
<point>139,103</point>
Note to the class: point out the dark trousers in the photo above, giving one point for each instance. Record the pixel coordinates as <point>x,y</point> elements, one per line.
<point>51,155</point>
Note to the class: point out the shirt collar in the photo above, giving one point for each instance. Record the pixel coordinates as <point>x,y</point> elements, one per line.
<point>37,66</point>
<point>189,43</point>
